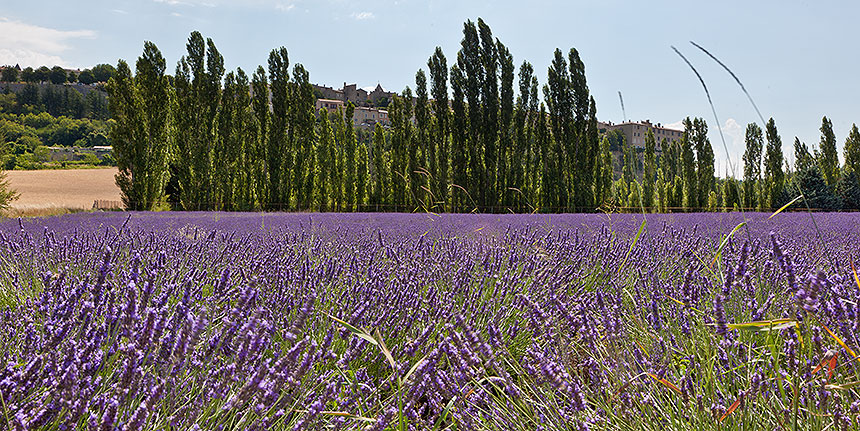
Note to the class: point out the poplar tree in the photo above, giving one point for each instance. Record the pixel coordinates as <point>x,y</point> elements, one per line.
<point>303,136</point>
<point>522,159</point>
<point>828,158</point>
<point>852,151</point>
<point>489,60</point>
<point>259,144</point>
<point>140,107</point>
<point>773,175</point>
<point>550,181</point>
<point>413,176</point>
<point>426,161</point>
<point>278,151</point>
<point>803,160</point>
<point>559,101</point>
<point>752,165</point>
<point>349,160</point>
<point>469,63</point>
<point>397,176</point>
<point>705,181</point>
<point>506,177</point>
<point>534,149</point>
<point>244,130</point>
<point>438,66</point>
<point>361,175</point>
<point>324,185</point>
<point>650,171</point>
<point>227,147</point>
<point>380,173</point>
<point>459,137</point>
<point>585,146</point>
<point>688,165</point>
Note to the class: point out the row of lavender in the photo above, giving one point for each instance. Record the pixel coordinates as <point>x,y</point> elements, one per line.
<point>262,321</point>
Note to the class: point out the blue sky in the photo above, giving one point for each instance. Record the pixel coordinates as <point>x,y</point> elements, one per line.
<point>798,59</point>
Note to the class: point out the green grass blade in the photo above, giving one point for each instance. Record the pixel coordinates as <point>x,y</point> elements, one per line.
<point>785,206</point>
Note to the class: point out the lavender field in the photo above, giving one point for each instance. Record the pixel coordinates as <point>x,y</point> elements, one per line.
<point>226,321</point>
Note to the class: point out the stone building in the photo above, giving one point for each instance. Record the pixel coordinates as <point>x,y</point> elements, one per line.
<point>635,132</point>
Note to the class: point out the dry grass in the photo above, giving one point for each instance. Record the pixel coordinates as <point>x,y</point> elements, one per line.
<point>53,192</point>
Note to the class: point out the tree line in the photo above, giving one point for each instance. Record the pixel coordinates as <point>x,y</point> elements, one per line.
<point>472,135</point>
<point>205,138</point>
<point>58,74</point>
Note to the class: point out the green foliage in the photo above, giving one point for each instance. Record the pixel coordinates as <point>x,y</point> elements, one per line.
<point>828,159</point>
<point>815,190</point>
<point>752,165</point>
<point>852,150</point>
<point>141,107</point>
<point>10,74</point>
<point>86,77</point>
<point>848,190</point>
<point>650,171</point>
<point>103,72</point>
<point>802,158</point>
<point>58,75</point>
<point>688,165</point>
<point>438,66</point>
<point>773,175</point>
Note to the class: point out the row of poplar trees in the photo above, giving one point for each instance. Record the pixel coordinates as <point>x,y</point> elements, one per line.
<point>681,175</point>
<point>817,177</point>
<point>466,139</point>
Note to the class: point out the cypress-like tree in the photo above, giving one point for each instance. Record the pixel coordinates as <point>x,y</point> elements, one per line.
<point>350,168</point>
<point>705,180</point>
<point>585,147</point>
<point>489,60</point>
<point>397,176</point>
<point>438,66</point>
<point>604,187</point>
<point>459,137</point>
<point>852,150</point>
<point>140,105</point>
<point>688,165</point>
<point>259,145</point>
<point>774,177</point>
<point>325,169</point>
<point>522,161</point>
<point>802,158</point>
<point>752,165</point>
<point>380,170</point>
<point>227,147</point>
<point>278,151</point>
<point>414,177</point>
<point>549,178</point>
<point>560,105</point>
<point>469,63</point>
<point>650,170</point>
<point>303,136</point>
<point>361,176</point>
<point>426,162</point>
<point>244,131</point>
<point>506,177</point>
<point>828,158</point>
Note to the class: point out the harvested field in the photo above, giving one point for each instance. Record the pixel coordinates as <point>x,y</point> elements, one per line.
<point>51,191</point>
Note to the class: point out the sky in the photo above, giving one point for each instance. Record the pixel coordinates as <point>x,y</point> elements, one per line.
<point>798,59</point>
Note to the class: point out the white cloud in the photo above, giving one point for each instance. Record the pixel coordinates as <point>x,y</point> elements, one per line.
<point>285,7</point>
<point>120,11</point>
<point>363,15</point>
<point>678,125</point>
<point>35,45</point>
<point>735,134</point>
